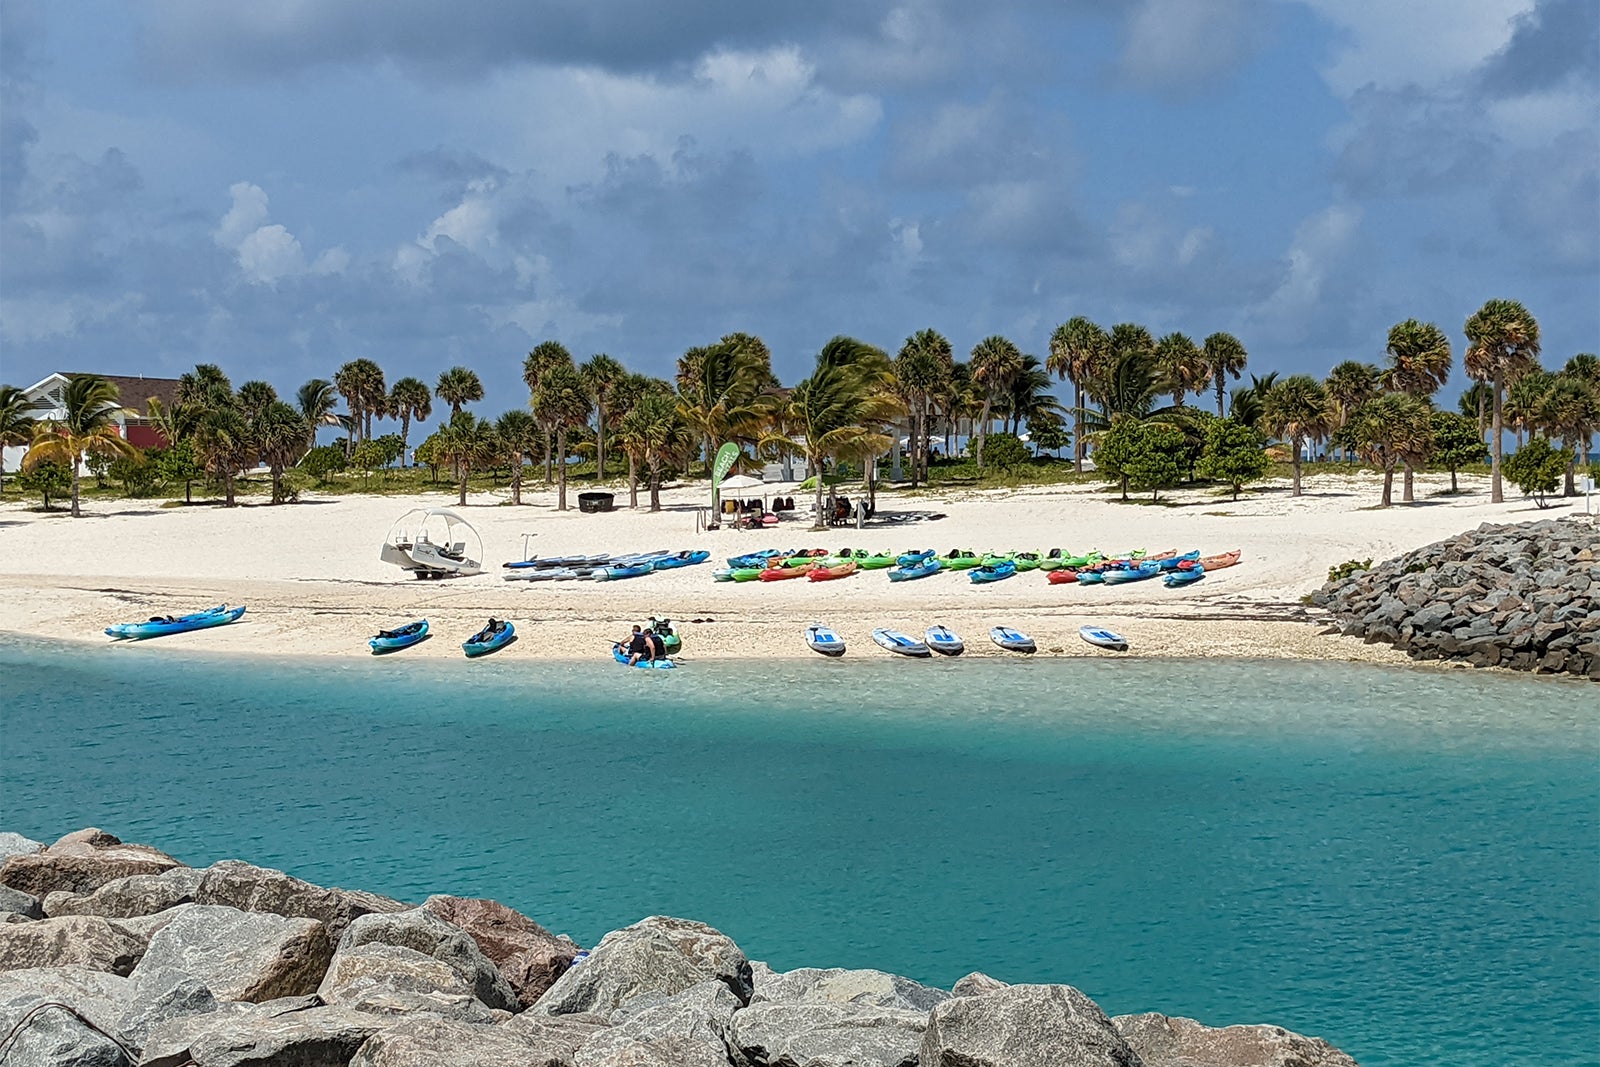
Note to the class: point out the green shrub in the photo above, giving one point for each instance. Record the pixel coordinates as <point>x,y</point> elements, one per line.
<point>1347,568</point>
<point>1004,451</point>
<point>323,461</point>
<point>48,479</point>
<point>1536,469</point>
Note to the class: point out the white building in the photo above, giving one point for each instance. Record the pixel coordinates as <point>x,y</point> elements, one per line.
<point>45,399</point>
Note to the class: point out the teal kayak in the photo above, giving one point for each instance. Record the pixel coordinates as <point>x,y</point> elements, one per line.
<point>398,638</point>
<point>496,635</point>
<point>644,664</point>
<point>161,625</point>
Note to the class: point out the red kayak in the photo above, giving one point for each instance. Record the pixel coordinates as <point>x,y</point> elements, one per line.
<point>1061,577</point>
<point>827,574</point>
<point>779,574</point>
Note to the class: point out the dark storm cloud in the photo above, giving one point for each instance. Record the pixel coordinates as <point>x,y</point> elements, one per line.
<point>1557,40</point>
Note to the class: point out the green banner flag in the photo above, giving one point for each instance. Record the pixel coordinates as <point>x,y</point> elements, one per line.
<point>719,470</point>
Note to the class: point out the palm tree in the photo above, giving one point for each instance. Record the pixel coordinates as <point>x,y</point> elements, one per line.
<point>720,389</point>
<point>1077,348</point>
<point>518,433</point>
<point>316,400</point>
<point>204,388</point>
<point>409,398</point>
<point>1570,410</point>
<point>351,382</point>
<point>1585,367</point>
<point>1030,395</point>
<point>1183,365</point>
<point>546,356</point>
<point>1524,405</point>
<point>1297,410</point>
<point>16,428</point>
<point>627,394</point>
<point>1349,385</point>
<point>279,433</point>
<point>921,370</point>
<point>1247,402</point>
<point>223,447</point>
<point>1389,429</point>
<point>839,411</point>
<point>996,362</point>
<point>466,441</point>
<point>601,374</point>
<point>255,397</point>
<point>1474,402</point>
<point>1224,356</point>
<point>561,402</point>
<point>1419,365</point>
<point>88,427</point>
<point>458,387</point>
<point>1505,343</point>
<point>654,433</point>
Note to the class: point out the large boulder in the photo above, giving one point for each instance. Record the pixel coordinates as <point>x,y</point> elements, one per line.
<point>816,985</point>
<point>130,897</point>
<point>250,888</point>
<point>263,1036</point>
<point>16,902</point>
<point>60,1037</point>
<point>658,955</point>
<point>530,957</point>
<point>391,980</point>
<point>691,1027</point>
<point>825,1034</point>
<point>429,1041</point>
<point>242,955</point>
<point>80,863</point>
<point>157,998</point>
<point>431,936</point>
<point>1024,1026</point>
<point>1166,1041</point>
<point>75,941</point>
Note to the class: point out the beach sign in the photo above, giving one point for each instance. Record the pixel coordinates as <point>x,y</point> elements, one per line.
<point>719,470</point>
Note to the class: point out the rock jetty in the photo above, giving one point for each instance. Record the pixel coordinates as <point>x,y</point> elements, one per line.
<point>1522,596</point>
<point>115,955</point>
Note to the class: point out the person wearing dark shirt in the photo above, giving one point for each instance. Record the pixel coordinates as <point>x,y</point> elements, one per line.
<point>638,647</point>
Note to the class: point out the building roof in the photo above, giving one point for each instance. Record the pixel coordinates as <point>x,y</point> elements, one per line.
<point>135,391</point>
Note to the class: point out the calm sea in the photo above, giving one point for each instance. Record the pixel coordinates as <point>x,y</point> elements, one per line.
<point>1404,862</point>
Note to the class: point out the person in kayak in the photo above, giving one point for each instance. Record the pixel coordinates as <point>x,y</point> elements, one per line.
<point>658,647</point>
<point>637,647</point>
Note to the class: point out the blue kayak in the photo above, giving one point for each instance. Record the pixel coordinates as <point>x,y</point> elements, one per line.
<point>908,572</point>
<point>400,637</point>
<point>644,664</point>
<point>1189,577</point>
<point>912,558</point>
<point>993,572</point>
<point>1171,562</point>
<point>756,559</point>
<point>636,570</point>
<point>162,625</point>
<point>497,634</point>
<point>682,559</point>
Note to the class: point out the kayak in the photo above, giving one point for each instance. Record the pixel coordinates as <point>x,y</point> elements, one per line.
<point>636,570</point>
<point>400,637</point>
<point>682,559</point>
<point>722,574</point>
<point>944,641</point>
<point>755,559</point>
<point>821,639</point>
<point>1100,637</point>
<point>960,559</point>
<point>1027,561</point>
<point>824,573</point>
<point>1012,640</point>
<point>900,644</point>
<point>991,559</point>
<point>644,664</point>
<point>1172,563</point>
<point>782,573</point>
<point>1173,579</point>
<point>496,634</point>
<point>1218,562</point>
<point>1088,559</point>
<point>994,572</point>
<point>1064,576</point>
<point>868,561</point>
<point>803,559</point>
<point>1136,573</point>
<point>904,573</point>
<point>662,628</point>
<point>1091,577</point>
<point>746,574</point>
<point>915,556</point>
<point>161,625</point>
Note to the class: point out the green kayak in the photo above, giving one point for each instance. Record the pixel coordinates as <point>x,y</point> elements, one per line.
<point>746,574</point>
<point>1026,561</point>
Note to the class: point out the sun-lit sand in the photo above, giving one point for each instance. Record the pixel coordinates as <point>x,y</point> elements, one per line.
<point>313,582</point>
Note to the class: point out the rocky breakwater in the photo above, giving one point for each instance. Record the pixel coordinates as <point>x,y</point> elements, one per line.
<point>115,955</point>
<point>1522,596</point>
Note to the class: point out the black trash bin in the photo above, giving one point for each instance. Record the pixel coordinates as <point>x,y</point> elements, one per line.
<point>596,501</point>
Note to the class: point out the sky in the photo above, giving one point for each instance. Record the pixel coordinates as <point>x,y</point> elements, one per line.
<point>284,185</point>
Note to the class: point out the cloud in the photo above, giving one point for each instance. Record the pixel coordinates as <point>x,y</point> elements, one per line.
<point>1176,45</point>
<point>1546,196</point>
<point>267,252</point>
<point>1557,41</point>
<point>1305,302</point>
<point>1408,142</point>
<point>1421,42</point>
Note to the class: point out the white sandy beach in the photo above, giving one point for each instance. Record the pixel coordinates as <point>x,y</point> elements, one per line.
<point>313,582</point>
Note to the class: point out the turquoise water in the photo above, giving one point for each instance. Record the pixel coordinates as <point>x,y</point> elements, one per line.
<point>1404,862</point>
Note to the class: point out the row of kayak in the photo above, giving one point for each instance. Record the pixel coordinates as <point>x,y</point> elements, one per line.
<point>1176,569</point>
<point>601,568</point>
<point>944,641</point>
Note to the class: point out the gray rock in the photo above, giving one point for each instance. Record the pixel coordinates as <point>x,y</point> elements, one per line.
<point>668,1052</point>
<point>432,936</point>
<point>1164,1041</point>
<point>52,1037</point>
<point>158,998</point>
<point>81,862</point>
<point>827,1034</point>
<point>75,941</point>
<point>263,1036</point>
<point>976,984</point>
<point>241,955</point>
<point>658,955</point>
<point>692,1027</point>
<point>429,1041</point>
<point>19,903</point>
<point>390,980</point>
<point>147,926</point>
<point>16,845</point>
<point>130,897</point>
<point>530,957</point>
<point>1024,1026</point>
<point>251,888</point>
<point>557,1037</point>
<point>813,985</point>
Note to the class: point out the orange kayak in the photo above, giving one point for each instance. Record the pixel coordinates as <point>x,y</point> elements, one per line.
<point>779,574</point>
<point>827,574</point>
<point>1225,559</point>
<point>1061,577</point>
